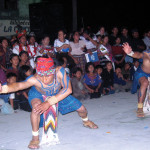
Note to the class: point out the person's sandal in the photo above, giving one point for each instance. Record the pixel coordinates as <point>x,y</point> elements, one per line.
<point>34,144</point>
<point>89,124</point>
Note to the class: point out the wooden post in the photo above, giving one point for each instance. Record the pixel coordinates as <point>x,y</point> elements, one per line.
<point>74,9</point>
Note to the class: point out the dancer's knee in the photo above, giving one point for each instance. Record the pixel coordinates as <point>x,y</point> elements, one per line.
<point>82,109</point>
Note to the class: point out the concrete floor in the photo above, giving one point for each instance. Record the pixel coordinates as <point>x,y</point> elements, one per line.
<point>119,128</point>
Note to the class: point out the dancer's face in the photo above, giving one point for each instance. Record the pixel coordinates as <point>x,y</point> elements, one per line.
<point>47,79</point>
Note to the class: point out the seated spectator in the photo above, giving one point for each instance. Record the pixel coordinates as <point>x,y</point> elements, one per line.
<point>5,53</point>
<point>119,83</point>
<point>134,67</point>
<point>64,63</point>
<point>79,90</point>
<point>92,81</point>
<point>108,79</point>
<point>118,53</point>
<point>113,36</point>
<point>24,72</point>
<point>14,60</point>
<point>78,51</point>
<point>63,49</point>
<point>137,44</point>
<point>126,71</point>
<point>8,98</point>
<point>45,49</point>
<point>99,70</point>
<point>24,58</point>
<point>2,76</point>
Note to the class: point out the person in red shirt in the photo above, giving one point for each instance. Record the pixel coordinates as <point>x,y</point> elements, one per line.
<point>118,53</point>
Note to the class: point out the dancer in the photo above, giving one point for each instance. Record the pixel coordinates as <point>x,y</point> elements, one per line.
<point>55,85</point>
<point>141,75</point>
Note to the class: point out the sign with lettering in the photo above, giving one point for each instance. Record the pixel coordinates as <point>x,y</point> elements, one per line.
<point>9,27</point>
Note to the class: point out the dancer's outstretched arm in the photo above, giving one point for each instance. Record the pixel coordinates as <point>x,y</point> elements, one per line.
<point>17,86</point>
<point>128,50</point>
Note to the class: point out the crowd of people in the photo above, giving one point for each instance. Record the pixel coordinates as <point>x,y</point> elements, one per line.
<point>95,62</point>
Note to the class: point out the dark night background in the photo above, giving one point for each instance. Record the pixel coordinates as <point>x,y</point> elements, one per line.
<point>107,13</point>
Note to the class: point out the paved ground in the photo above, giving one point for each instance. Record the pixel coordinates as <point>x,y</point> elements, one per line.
<point>119,128</point>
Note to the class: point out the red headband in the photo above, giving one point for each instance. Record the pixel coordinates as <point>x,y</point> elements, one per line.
<point>45,66</point>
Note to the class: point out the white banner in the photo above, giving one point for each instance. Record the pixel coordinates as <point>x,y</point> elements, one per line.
<point>9,27</point>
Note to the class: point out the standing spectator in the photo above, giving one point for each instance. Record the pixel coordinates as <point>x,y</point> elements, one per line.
<point>62,49</point>
<point>5,53</point>
<point>107,56</point>
<point>101,31</point>
<point>137,44</point>
<point>78,51</point>
<point>32,49</point>
<point>108,79</point>
<point>146,39</point>
<point>90,40</point>
<point>45,49</point>
<point>118,53</point>
<point>113,36</point>
<point>126,38</point>
<point>92,81</point>
<point>22,45</point>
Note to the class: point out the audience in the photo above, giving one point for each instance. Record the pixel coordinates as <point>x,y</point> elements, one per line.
<point>113,72</point>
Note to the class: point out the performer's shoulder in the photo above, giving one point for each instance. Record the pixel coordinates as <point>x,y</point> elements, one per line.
<point>60,70</point>
<point>31,78</point>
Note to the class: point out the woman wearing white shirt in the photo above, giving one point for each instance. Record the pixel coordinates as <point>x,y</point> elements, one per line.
<point>62,49</point>
<point>78,50</point>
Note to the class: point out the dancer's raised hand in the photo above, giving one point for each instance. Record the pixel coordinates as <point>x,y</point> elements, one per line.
<point>127,48</point>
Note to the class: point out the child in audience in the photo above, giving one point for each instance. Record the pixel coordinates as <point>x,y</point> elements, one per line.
<point>8,98</point>
<point>134,67</point>
<point>92,81</point>
<point>79,90</point>
<point>108,79</point>
<point>24,72</point>
<point>119,83</point>
<point>24,58</point>
<point>99,70</point>
<point>14,60</point>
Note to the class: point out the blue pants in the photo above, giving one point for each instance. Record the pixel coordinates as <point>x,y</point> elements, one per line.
<point>67,105</point>
<point>138,74</point>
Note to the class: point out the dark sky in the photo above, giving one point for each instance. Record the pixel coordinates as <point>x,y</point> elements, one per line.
<point>109,13</point>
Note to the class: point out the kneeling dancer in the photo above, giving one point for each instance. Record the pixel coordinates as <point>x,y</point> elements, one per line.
<point>49,86</point>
